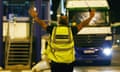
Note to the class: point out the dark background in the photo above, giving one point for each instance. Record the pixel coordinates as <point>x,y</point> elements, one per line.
<point>114,8</point>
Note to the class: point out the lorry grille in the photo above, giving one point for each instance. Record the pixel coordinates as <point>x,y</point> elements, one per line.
<point>89,40</point>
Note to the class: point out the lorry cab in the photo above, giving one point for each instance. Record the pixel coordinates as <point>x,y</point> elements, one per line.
<point>93,43</point>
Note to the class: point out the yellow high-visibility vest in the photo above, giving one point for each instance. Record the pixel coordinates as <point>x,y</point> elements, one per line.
<point>61,45</point>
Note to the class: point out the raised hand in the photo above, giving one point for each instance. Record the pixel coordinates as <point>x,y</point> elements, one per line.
<point>92,13</point>
<point>33,12</point>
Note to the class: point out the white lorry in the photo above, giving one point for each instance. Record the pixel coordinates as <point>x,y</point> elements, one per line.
<point>93,43</point>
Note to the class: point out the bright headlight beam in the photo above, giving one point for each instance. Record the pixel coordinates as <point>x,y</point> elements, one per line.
<point>107,51</point>
<point>118,41</point>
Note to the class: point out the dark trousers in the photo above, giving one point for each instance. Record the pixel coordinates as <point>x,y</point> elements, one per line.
<point>61,67</point>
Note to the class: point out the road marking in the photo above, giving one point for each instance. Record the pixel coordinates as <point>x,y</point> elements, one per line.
<point>13,71</point>
<point>5,71</point>
<point>26,71</point>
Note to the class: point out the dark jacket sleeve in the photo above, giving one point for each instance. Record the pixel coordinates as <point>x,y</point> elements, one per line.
<point>50,28</point>
<point>74,30</point>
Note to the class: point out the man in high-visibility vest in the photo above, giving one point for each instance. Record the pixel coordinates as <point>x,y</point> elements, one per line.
<point>56,64</point>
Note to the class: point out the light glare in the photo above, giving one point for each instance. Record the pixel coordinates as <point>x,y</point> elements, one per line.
<point>107,51</point>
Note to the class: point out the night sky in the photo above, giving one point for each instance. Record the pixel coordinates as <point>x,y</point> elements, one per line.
<point>115,10</point>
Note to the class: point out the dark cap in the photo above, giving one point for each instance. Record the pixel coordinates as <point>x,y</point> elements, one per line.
<point>63,20</point>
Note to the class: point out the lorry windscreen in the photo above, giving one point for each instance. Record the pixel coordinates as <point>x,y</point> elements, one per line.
<point>100,18</point>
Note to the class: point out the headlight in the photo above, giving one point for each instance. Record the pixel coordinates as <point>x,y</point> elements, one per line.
<point>107,51</point>
<point>118,41</point>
